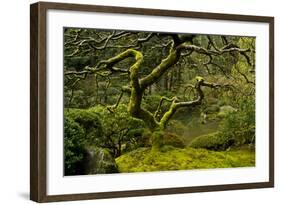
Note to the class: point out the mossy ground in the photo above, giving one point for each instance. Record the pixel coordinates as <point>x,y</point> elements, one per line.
<point>170,158</point>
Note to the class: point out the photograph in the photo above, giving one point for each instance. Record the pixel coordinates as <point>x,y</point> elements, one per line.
<point>146,101</point>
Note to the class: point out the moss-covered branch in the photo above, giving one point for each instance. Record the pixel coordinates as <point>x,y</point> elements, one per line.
<point>165,64</point>
<point>136,92</point>
<point>158,110</point>
<point>175,105</point>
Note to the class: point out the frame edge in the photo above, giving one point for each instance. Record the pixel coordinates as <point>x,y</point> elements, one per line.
<point>271,102</point>
<point>38,102</point>
<point>153,11</point>
<point>34,187</point>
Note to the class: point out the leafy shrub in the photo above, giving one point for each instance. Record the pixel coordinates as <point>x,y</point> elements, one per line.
<point>103,127</point>
<point>121,131</point>
<point>240,125</point>
<point>74,151</point>
<point>145,139</point>
<point>88,120</point>
<point>82,128</point>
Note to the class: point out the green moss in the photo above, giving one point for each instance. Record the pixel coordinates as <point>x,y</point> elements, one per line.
<point>174,140</point>
<point>157,139</point>
<point>170,158</point>
<point>167,116</point>
<point>213,141</point>
<point>199,78</point>
<point>165,64</point>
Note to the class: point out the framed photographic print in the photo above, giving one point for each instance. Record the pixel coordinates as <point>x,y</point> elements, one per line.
<point>135,102</point>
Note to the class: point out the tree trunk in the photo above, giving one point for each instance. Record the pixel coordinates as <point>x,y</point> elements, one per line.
<point>171,81</point>
<point>166,81</point>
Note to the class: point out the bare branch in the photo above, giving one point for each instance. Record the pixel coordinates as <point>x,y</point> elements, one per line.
<point>192,88</point>
<point>243,75</point>
<point>121,35</point>
<point>212,43</point>
<point>176,105</point>
<point>157,112</point>
<point>113,107</point>
<point>226,49</point>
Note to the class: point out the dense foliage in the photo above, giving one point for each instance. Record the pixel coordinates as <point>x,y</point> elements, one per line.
<point>74,150</point>
<point>121,132</point>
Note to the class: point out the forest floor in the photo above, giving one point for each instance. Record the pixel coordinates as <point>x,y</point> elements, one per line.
<point>171,158</point>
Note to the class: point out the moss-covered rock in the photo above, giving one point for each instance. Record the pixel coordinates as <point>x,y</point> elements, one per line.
<point>173,140</point>
<point>214,141</point>
<point>160,138</point>
<point>171,158</point>
<point>99,161</point>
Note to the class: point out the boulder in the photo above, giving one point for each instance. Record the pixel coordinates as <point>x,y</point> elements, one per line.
<point>99,161</point>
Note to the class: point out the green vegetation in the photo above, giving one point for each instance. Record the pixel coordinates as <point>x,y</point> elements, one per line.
<point>74,150</point>
<point>170,158</point>
<point>140,101</point>
<point>213,141</point>
<point>121,131</point>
